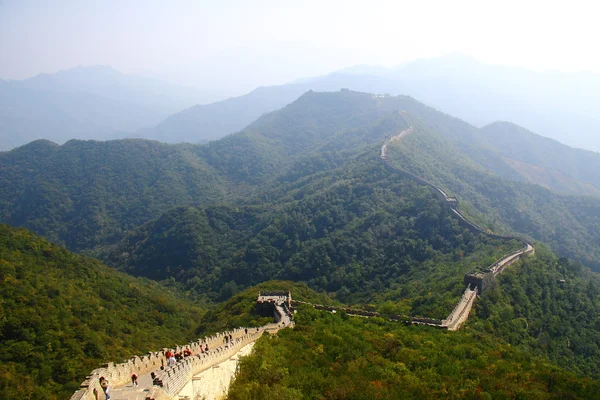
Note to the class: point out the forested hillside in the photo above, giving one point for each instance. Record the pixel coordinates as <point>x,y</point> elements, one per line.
<point>62,315</point>
<point>85,194</point>
<point>542,312</point>
<point>523,327</point>
<point>300,195</point>
<point>354,232</point>
<point>88,195</point>
<point>568,223</point>
<point>339,357</point>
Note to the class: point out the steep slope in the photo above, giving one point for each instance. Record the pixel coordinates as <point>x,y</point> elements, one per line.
<point>517,143</point>
<point>61,315</point>
<point>277,139</point>
<point>86,194</point>
<point>85,103</point>
<point>548,306</point>
<point>354,231</point>
<point>568,223</point>
<point>336,357</point>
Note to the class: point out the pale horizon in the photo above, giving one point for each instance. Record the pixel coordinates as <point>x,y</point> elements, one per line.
<point>235,47</point>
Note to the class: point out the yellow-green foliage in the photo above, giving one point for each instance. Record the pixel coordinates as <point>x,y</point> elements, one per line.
<point>62,315</point>
<point>330,356</point>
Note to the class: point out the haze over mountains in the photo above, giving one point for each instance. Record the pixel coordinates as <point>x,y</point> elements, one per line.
<point>86,103</point>
<point>562,106</point>
<point>416,184</point>
<point>100,103</point>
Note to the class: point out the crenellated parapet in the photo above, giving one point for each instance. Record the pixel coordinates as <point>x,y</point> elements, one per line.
<point>172,379</point>
<point>196,357</point>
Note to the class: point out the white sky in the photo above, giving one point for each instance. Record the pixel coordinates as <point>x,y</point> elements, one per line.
<point>242,44</point>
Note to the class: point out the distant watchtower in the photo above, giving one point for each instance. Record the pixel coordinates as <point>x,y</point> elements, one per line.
<point>268,300</point>
<point>481,280</point>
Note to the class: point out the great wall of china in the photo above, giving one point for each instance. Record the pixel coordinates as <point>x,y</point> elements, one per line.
<point>163,382</point>
<point>476,281</point>
<point>168,381</point>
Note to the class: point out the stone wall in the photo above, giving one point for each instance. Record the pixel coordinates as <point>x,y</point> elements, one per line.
<point>171,380</point>
<point>120,374</point>
<point>459,315</point>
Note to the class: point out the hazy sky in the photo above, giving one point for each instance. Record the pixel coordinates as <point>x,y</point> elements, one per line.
<point>241,44</point>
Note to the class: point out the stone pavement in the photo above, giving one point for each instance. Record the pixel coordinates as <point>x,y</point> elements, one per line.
<point>130,392</point>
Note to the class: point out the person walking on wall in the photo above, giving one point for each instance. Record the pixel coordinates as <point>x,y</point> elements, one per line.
<point>105,387</point>
<point>134,379</point>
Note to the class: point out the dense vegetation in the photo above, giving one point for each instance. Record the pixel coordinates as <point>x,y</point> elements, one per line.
<point>548,306</point>
<point>542,312</point>
<point>62,315</point>
<point>354,233</point>
<point>299,195</point>
<point>87,195</point>
<point>339,357</point>
<point>569,224</point>
<point>240,309</point>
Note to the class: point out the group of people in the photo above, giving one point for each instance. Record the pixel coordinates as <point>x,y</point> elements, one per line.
<point>227,339</point>
<point>173,357</point>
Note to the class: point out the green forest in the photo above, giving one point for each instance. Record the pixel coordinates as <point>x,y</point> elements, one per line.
<point>145,245</point>
<point>340,357</point>
<point>62,315</point>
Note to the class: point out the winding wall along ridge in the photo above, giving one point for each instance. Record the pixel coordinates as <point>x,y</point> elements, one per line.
<point>476,281</point>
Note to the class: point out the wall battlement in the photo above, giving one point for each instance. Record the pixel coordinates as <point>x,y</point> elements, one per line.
<point>169,380</point>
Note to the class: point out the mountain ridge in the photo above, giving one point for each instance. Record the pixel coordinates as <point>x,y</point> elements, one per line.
<point>454,84</point>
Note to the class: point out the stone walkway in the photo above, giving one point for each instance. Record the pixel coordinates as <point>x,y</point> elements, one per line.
<point>214,383</point>
<point>130,392</point>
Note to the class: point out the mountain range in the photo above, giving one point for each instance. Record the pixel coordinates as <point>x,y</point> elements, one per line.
<point>88,195</point>
<point>562,106</point>
<point>301,194</point>
<point>101,103</point>
<point>86,103</point>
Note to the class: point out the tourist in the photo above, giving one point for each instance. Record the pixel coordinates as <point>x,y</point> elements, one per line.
<point>105,387</point>
<point>134,379</point>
